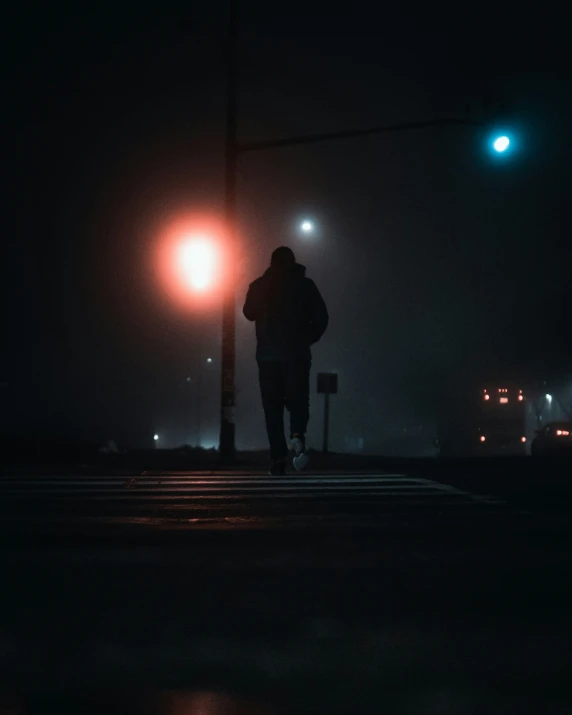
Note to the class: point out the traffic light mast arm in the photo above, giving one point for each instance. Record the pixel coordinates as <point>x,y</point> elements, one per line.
<point>314,138</point>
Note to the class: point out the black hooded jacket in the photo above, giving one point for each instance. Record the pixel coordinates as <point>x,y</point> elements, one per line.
<point>289,311</point>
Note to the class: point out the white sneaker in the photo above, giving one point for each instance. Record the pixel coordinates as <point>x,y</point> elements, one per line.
<point>301,457</point>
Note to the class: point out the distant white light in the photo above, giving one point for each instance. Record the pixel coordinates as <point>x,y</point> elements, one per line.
<point>549,398</point>
<point>501,144</point>
<point>209,359</point>
<point>307,226</point>
<point>155,437</point>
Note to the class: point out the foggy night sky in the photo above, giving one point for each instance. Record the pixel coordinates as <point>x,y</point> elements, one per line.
<point>439,262</point>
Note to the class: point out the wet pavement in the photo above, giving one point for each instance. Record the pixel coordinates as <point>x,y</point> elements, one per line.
<point>226,593</point>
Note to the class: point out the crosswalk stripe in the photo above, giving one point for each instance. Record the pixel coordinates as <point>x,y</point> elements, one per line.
<point>219,485</point>
<point>278,491</point>
<point>168,483</point>
<point>192,478</point>
<point>193,485</point>
<point>200,493</point>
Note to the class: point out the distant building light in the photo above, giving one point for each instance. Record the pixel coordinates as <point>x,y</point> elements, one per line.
<point>209,360</point>
<point>549,398</point>
<point>155,437</point>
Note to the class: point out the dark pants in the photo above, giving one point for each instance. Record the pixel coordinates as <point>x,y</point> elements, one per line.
<point>284,384</point>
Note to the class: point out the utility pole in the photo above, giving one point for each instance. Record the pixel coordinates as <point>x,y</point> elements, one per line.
<point>228,362</point>
<point>199,402</point>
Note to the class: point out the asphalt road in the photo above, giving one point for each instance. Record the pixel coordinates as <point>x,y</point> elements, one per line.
<point>337,593</point>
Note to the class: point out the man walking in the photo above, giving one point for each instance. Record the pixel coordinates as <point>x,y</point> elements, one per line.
<point>290,315</point>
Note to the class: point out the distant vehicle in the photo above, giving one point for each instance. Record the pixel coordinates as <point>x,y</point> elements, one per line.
<point>553,439</point>
<point>502,421</point>
<point>488,421</point>
<point>503,418</point>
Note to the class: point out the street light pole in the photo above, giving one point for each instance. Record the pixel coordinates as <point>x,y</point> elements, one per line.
<point>199,392</point>
<point>228,362</point>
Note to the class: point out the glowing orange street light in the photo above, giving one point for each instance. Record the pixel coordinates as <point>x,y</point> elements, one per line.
<point>192,262</point>
<point>198,262</point>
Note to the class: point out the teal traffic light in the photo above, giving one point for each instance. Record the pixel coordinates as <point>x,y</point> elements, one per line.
<point>501,144</point>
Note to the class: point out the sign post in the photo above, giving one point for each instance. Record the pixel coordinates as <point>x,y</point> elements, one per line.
<point>327,385</point>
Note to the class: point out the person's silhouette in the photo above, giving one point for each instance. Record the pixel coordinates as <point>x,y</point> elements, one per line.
<point>290,315</point>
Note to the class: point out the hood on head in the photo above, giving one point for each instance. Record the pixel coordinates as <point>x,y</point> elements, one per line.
<point>294,270</point>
